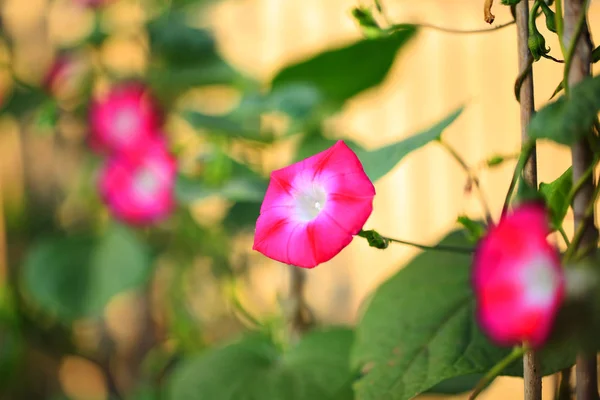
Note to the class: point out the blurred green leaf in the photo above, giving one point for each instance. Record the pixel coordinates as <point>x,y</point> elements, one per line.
<point>74,277</point>
<point>556,197</point>
<point>47,116</point>
<point>237,189</point>
<point>344,72</point>
<point>405,349</point>
<point>229,125</point>
<point>568,120</point>
<point>240,184</point>
<point>255,369</point>
<point>242,216</point>
<point>184,57</point>
<point>24,99</point>
<point>177,42</point>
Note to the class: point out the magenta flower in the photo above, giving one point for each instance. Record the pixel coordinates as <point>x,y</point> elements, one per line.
<point>517,278</point>
<point>139,190</point>
<point>123,119</point>
<point>313,208</point>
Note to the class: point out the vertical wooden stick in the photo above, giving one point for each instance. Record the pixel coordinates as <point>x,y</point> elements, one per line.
<point>587,381</point>
<point>531,374</point>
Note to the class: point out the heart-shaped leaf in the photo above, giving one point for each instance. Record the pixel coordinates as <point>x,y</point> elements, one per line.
<point>567,120</point>
<point>419,330</point>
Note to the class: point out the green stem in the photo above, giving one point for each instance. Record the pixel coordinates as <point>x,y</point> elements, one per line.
<point>497,370</point>
<point>439,247</point>
<point>458,31</point>
<point>560,25</point>
<point>562,232</point>
<point>582,227</point>
<point>581,182</point>
<point>572,46</point>
<point>472,176</point>
<point>525,153</point>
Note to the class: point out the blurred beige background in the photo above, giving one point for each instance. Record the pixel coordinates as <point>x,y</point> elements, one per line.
<point>419,200</point>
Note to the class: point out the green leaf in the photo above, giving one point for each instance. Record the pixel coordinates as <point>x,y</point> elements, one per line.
<point>242,216</point>
<point>342,73</point>
<point>255,369</point>
<point>177,42</point>
<point>377,163</point>
<point>556,196</point>
<point>458,385</point>
<point>75,277</point>
<point>419,330</point>
<point>568,120</point>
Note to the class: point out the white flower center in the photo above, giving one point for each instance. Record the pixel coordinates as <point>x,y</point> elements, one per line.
<point>540,281</point>
<point>125,121</point>
<point>146,184</point>
<point>310,202</point>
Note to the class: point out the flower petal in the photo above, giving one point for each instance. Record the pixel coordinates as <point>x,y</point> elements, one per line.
<point>313,208</point>
<point>517,279</point>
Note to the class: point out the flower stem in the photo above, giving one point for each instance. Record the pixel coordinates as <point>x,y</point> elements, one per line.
<point>581,182</point>
<point>559,25</point>
<point>384,241</point>
<point>459,31</point>
<point>528,147</point>
<point>472,176</point>
<point>573,45</point>
<point>562,232</point>
<point>497,370</point>
<point>439,247</point>
<point>526,27</point>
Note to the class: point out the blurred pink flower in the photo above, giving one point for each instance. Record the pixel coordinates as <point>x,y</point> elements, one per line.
<point>92,3</point>
<point>139,190</point>
<point>124,118</point>
<point>66,75</point>
<point>313,208</point>
<point>518,279</point>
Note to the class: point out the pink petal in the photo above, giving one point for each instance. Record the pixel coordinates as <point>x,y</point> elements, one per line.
<point>313,208</point>
<point>517,279</point>
<point>139,190</point>
<point>126,116</point>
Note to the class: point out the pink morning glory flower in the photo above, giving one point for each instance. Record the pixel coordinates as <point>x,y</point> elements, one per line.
<point>518,279</point>
<point>139,190</point>
<point>123,118</point>
<point>312,209</point>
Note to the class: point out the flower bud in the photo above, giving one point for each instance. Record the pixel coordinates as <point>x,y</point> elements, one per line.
<point>550,17</point>
<point>537,44</point>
